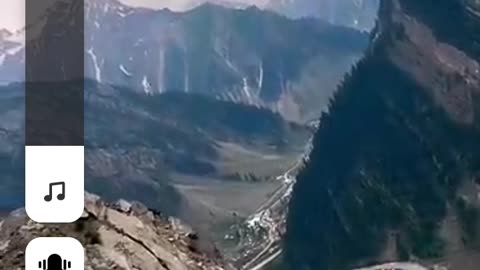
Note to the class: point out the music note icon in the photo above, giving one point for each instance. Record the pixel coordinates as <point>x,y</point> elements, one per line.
<point>60,196</point>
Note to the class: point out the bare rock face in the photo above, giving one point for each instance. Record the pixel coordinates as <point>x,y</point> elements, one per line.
<point>124,235</point>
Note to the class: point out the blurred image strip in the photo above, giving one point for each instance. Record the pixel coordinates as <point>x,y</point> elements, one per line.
<point>54,72</point>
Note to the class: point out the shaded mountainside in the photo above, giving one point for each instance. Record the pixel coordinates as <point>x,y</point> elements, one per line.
<point>394,171</point>
<point>133,142</point>
<point>117,236</point>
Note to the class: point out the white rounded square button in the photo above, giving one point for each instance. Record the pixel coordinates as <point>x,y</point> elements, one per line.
<point>54,183</point>
<point>54,253</point>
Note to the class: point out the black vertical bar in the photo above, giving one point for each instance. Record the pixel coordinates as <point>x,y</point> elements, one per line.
<point>54,71</point>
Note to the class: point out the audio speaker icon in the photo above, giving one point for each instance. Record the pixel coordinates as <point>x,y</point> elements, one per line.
<point>54,262</point>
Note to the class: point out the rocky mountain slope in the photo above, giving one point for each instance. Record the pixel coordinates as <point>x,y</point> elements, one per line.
<point>117,236</point>
<point>393,175</point>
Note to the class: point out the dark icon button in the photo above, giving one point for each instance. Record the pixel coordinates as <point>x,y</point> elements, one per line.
<point>54,262</point>
<point>60,196</point>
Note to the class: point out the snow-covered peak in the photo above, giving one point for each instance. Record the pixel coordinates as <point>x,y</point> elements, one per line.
<point>4,33</point>
<point>105,5</point>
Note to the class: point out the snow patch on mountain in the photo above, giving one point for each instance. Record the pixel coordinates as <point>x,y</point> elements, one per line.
<point>98,71</point>
<point>260,79</point>
<point>125,71</point>
<point>147,87</point>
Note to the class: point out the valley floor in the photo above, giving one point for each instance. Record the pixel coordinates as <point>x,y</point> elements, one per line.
<point>212,204</point>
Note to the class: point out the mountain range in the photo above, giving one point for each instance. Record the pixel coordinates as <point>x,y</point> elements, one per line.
<point>359,14</point>
<point>245,56</point>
